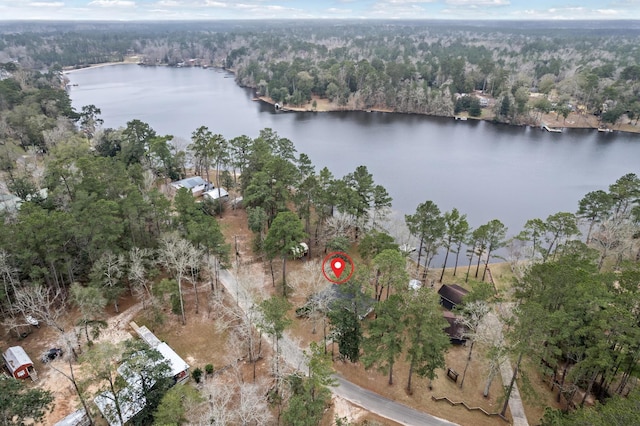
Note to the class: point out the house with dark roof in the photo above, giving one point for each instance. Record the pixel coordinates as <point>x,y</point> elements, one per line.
<point>455,330</point>
<point>451,295</point>
<point>338,294</point>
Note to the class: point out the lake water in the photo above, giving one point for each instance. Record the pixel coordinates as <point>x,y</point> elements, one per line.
<point>487,171</point>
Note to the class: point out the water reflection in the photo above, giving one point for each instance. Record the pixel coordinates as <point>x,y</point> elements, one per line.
<point>484,169</point>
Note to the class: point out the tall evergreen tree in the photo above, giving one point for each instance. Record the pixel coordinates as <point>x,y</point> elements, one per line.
<point>456,230</point>
<point>428,226</point>
<point>284,236</point>
<point>385,340</point>
<point>426,340</point>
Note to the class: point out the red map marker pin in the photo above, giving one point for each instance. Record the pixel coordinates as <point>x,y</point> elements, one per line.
<point>337,266</point>
<point>338,262</point>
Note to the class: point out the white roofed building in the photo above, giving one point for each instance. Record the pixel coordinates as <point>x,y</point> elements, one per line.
<point>217,193</point>
<point>18,362</point>
<point>195,184</point>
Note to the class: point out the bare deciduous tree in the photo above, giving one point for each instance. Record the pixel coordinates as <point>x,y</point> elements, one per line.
<point>9,275</point>
<point>471,317</point>
<point>212,267</point>
<point>613,237</point>
<point>66,342</point>
<point>219,396</point>
<point>43,304</point>
<point>235,403</point>
<point>338,225</point>
<point>177,254</point>
<point>137,275</point>
<point>243,317</point>
<point>108,271</point>
<point>489,334</point>
<point>253,407</point>
<point>195,257</point>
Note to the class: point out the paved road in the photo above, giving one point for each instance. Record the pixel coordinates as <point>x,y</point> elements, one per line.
<point>385,407</point>
<point>351,392</point>
<point>515,402</point>
<point>506,372</point>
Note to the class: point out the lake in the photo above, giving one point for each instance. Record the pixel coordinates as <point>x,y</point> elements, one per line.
<point>486,170</point>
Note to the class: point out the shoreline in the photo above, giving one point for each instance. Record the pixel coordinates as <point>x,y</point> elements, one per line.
<point>324,105</point>
<point>92,66</point>
<point>576,124</point>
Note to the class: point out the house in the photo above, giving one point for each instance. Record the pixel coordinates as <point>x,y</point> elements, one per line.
<point>19,364</point>
<point>77,418</point>
<point>195,184</point>
<point>455,330</point>
<point>364,304</point>
<point>217,194</point>
<point>333,294</point>
<point>131,402</point>
<point>131,397</point>
<point>9,203</point>
<point>451,295</point>
<point>179,368</point>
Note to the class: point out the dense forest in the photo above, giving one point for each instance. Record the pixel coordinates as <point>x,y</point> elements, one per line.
<point>94,220</point>
<point>414,67</point>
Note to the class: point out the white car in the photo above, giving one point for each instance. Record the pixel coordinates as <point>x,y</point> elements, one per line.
<point>415,284</point>
<point>408,249</point>
<point>32,321</point>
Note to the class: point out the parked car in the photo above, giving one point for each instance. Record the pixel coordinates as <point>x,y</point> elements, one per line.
<point>51,354</point>
<point>32,321</point>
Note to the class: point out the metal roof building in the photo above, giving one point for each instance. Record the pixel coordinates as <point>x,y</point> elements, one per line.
<point>18,362</point>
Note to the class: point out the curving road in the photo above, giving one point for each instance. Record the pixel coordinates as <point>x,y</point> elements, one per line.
<point>351,392</point>
<point>385,407</point>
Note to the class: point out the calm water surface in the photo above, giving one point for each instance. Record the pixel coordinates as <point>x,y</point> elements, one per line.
<point>485,170</point>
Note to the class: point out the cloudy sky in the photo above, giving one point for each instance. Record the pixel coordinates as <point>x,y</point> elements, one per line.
<point>319,9</point>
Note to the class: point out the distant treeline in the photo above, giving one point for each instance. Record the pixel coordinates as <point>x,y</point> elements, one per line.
<point>417,67</point>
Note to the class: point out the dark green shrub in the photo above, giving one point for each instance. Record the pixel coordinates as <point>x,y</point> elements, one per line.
<point>197,374</point>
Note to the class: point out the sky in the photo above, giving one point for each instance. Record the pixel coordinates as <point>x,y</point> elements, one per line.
<point>318,9</point>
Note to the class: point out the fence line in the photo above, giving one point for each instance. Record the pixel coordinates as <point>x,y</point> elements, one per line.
<point>464,404</point>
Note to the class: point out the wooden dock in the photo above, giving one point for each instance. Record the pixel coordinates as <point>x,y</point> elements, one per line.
<point>551,129</point>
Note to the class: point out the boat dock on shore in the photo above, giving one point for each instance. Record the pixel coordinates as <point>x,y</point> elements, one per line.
<point>550,129</point>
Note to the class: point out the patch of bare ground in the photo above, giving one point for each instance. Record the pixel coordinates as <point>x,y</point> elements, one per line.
<point>354,415</point>
<point>198,342</point>
<point>535,392</point>
<point>421,399</point>
<point>43,338</point>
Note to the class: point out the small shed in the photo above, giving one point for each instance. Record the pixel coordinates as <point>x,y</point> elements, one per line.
<point>451,295</point>
<point>455,330</point>
<point>18,362</point>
